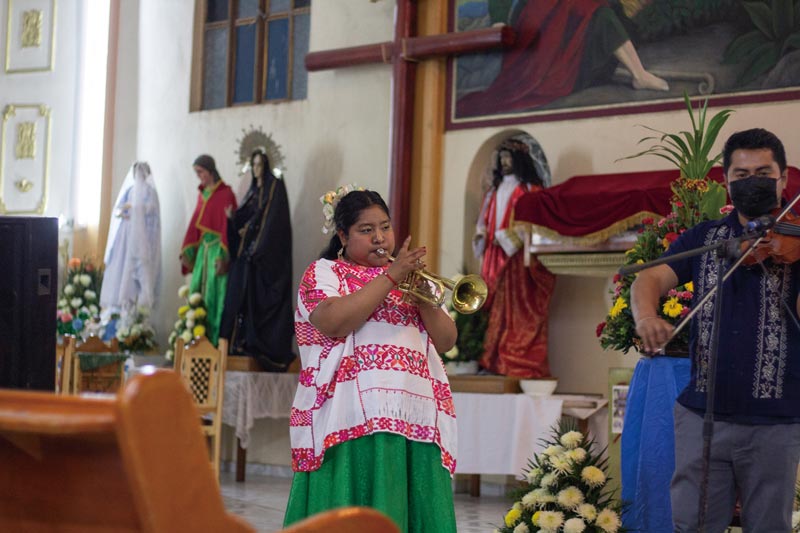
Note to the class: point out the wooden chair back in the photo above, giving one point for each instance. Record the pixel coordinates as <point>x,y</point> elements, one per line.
<point>111,383</point>
<point>202,368</point>
<point>134,462</point>
<point>345,520</point>
<point>64,355</point>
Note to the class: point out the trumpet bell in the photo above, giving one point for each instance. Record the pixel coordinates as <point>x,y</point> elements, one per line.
<point>469,294</point>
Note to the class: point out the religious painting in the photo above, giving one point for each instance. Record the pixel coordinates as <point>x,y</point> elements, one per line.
<point>30,35</point>
<point>24,159</point>
<point>587,58</point>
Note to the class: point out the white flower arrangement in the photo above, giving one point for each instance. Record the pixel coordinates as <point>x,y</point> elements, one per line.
<point>329,202</point>
<point>191,321</point>
<point>135,334</point>
<point>565,490</point>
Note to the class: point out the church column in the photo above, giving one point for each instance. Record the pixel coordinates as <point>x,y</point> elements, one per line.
<point>428,144</point>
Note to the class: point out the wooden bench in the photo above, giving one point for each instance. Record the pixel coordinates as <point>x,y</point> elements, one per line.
<point>134,462</point>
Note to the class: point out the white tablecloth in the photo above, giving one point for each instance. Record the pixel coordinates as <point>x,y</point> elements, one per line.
<point>498,433</point>
<point>252,395</point>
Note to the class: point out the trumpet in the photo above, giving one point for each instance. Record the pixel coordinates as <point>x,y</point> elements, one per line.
<point>469,292</point>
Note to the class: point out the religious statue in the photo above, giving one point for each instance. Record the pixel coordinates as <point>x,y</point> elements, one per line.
<point>258,318</point>
<point>133,251</point>
<point>205,250</point>
<point>519,297</point>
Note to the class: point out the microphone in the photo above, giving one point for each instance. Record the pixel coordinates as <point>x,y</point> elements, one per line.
<point>760,224</point>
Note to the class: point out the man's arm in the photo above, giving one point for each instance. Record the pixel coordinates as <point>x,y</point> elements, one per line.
<point>650,285</point>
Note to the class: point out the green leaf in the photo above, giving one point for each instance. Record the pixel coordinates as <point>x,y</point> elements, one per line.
<point>712,201</point>
<point>761,15</point>
<point>793,41</point>
<point>782,18</point>
<point>741,47</point>
<point>765,57</point>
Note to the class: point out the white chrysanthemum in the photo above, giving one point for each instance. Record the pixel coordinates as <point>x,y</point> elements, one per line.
<point>517,506</point>
<point>94,309</point>
<point>76,279</point>
<point>551,520</point>
<point>574,525</point>
<point>189,323</point>
<point>608,521</point>
<point>76,302</point>
<point>533,475</point>
<point>548,480</point>
<point>577,456</point>
<point>571,439</point>
<point>190,314</point>
<point>90,295</point>
<point>144,311</point>
<point>195,298</point>
<point>570,497</point>
<point>186,336</point>
<point>553,450</point>
<point>178,324</point>
<point>69,290</point>
<point>562,465</point>
<point>63,301</point>
<point>170,355</point>
<point>123,333</point>
<point>593,476</point>
<point>543,496</point>
<point>86,280</point>
<point>172,338</point>
<point>530,500</point>
<point>522,527</point>
<point>587,511</point>
<point>183,292</point>
<point>136,330</point>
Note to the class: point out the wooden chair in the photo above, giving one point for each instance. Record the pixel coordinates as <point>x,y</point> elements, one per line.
<point>345,520</point>
<point>64,355</point>
<point>133,462</point>
<point>202,368</point>
<point>112,378</point>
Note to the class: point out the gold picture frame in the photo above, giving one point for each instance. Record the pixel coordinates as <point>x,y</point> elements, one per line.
<point>30,36</point>
<point>24,159</point>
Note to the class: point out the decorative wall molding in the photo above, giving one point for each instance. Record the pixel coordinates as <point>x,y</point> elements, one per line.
<point>24,158</point>
<point>30,36</point>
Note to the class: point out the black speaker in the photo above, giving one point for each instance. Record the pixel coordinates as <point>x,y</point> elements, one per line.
<point>28,287</point>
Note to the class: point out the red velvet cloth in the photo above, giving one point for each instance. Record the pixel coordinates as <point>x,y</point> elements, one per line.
<point>543,64</point>
<point>588,204</point>
<point>209,217</point>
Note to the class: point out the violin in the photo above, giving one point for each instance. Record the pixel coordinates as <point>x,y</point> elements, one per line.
<point>781,243</point>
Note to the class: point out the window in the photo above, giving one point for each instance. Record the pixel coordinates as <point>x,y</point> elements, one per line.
<point>249,51</point>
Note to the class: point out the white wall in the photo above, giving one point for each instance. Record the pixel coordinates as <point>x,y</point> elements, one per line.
<point>338,135</point>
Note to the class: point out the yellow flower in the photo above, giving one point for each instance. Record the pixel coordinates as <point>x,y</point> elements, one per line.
<point>593,476</point>
<point>200,313</point>
<point>665,243</point>
<point>512,516</point>
<point>672,308</point>
<point>619,305</point>
<point>199,331</point>
<point>182,310</point>
<point>535,518</point>
<point>689,286</point>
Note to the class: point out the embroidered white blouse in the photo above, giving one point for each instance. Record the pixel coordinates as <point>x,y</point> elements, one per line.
<point>384,377</point>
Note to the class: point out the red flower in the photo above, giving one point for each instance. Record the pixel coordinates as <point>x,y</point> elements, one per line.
<point>725,209</point>
<point>648,221</point>
<point>89,267</point>
<point>671,237</point>
<point>617,277</point>
<point>678,203</point>
<point>600,327</point>
<point>66,317</point>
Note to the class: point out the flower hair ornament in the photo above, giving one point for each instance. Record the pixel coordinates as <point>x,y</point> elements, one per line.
<point>329,202</point>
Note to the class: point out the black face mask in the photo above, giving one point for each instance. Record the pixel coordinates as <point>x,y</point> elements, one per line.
<point>754,196</point>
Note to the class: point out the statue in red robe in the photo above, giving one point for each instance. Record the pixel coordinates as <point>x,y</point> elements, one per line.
<point>519,297</point>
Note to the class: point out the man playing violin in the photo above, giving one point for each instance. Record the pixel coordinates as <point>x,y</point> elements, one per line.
<point>756,440</point>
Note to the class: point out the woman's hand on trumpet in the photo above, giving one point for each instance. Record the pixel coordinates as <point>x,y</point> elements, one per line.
<point>406,261</point>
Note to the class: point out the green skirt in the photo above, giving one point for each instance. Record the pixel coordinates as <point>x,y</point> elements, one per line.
<point>401,478</point>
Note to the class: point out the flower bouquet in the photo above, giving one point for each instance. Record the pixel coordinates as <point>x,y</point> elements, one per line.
<point>695,198</point>
<point>471,332</point>
<point>191,321</point>
<point>78,304</point>
<point>137,335</point>
<point>565,490</point>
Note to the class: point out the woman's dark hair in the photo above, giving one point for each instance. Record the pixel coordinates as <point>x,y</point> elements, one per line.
<point>252,192</point>
<point>207,162</point>
<point>267,168</point>
<point>523,166</point>
<point>346,214</point>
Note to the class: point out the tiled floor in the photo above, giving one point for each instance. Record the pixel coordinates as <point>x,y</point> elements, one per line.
<point>261,500</point>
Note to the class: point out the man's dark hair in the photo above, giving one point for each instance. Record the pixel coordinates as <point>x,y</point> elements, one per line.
<point>346,214</point>
<point>523,166</point>
<point>754,139</point>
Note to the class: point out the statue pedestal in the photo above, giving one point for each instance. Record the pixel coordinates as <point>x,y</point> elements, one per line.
<point>484,384</point>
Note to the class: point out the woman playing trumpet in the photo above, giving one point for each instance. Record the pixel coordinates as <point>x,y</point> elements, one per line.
<point>373,422</point>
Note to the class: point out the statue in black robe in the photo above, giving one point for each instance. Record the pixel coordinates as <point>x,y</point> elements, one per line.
<point>258,319</point>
